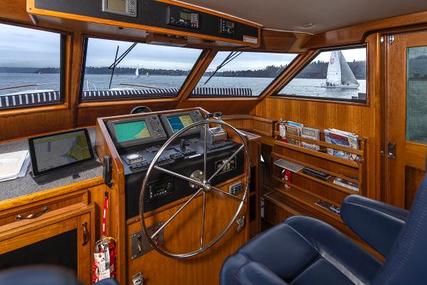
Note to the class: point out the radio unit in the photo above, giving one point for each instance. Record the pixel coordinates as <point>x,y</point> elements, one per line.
<point>184,18</point>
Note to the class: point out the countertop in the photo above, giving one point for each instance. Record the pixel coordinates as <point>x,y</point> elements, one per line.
<point>26,185</point>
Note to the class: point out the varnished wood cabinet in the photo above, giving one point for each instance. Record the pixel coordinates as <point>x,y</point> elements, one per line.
<point>58,231</point>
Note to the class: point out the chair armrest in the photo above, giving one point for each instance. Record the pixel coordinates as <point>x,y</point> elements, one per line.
<point>375,222</point>
<point>254,273</point>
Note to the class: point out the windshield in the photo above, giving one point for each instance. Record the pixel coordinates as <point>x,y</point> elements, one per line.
<point>30,67</point>
<point>333,75</point>
<point>239,73</point>
<point>117,69</point>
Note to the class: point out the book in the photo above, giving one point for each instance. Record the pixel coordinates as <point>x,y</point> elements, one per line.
<point>294,129</point>
<point>282,129</point>
<point>316,173</point>
<point>342,138</point>
<point>310,133</point>
<point>347,184</point>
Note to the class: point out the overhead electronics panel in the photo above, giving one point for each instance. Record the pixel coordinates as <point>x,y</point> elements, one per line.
<point>161,17</point>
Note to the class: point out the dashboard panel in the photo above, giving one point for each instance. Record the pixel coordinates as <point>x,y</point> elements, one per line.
<point>139,138</point>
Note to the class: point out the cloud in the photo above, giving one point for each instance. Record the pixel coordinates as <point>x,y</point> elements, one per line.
<point>23,47</point>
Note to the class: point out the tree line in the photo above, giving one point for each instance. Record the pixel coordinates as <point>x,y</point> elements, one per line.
<point>314,70</point>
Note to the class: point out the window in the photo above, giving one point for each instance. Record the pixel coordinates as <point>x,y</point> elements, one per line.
<point>338,75</point>
<point>241,73</point>
<point>30,67</point>
<point>416,95</point>
<point>124,70</point>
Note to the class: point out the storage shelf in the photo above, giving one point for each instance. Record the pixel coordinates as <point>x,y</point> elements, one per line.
<point>328,182</point>
<point>307,201</point>
<point>347,162</point>
<point>328,145</point>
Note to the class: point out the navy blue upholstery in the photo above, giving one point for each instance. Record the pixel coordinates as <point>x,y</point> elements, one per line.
<point>304,250</point>
<point>377,223</point>
<point>43,275</point>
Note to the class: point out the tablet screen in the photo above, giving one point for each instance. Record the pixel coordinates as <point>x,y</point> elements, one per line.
<point>59,150</point>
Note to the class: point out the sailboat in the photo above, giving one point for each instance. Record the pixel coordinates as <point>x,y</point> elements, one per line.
<point>137,72</point>
<point>339,73</point>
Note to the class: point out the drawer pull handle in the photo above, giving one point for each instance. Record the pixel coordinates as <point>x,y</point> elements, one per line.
<point>85,234</point>
<point>33,215</point>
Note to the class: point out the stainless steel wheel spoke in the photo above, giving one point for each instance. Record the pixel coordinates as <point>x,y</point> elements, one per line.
<point>203,184</point>
<point>183,177</point>
<point>217,190</point>
<point>226,162</point>
<point>205,153</point>
<point>176,213</point>
<point>202,230</point>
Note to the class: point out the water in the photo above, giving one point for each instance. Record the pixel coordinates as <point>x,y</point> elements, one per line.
<point>313,88</point>
<point>302,87</point>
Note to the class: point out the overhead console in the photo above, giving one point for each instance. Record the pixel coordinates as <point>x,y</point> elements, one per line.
<point>162,17</point>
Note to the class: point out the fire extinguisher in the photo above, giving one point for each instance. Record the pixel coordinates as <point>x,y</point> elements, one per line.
<point>104,265</point>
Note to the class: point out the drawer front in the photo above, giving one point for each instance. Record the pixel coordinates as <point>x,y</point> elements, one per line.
<point>35,209</point>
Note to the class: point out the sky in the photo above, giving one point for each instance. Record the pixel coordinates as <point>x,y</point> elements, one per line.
<point>22,47</point>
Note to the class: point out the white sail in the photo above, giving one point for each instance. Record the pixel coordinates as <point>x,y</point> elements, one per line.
<point>137,72</point>
<point>347,76</point>
<point>334,70</point>
<point>339,73</point>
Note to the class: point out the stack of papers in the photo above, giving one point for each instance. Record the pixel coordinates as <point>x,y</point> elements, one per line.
<point>14,165</point>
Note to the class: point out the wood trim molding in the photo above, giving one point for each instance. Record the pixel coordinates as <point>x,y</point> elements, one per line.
<point>357,34</point>
<point>289,73</point>
<point>196,74</point>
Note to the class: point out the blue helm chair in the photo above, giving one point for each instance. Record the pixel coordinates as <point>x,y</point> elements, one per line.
<point>304,250</point>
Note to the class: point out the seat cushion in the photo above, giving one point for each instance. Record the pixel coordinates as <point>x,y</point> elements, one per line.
<point>302,251</point>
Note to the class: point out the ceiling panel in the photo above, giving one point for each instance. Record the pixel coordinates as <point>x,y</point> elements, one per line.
<point>324,14</point>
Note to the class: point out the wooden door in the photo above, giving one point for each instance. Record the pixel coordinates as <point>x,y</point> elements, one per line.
<point>405,115</point>
<point>22,242</point>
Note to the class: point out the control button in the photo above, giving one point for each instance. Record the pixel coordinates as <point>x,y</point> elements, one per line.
<point>133,156</point>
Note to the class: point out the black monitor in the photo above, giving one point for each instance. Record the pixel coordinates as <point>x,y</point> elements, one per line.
<point>59,150</point>
<point>177,121</point>
<point>136,131</point>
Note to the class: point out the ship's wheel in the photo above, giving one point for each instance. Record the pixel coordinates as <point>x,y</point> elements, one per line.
<point>204,187</point>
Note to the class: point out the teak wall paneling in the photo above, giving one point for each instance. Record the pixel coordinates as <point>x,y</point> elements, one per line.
<point>364,120</point>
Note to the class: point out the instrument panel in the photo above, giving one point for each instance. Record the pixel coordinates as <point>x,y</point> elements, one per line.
<point>139,138</point>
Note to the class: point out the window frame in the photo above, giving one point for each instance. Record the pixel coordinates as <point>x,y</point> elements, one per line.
<point>136,99</point>
<point>277,95</point>
<point>261,94</point>
<point>62,69</point>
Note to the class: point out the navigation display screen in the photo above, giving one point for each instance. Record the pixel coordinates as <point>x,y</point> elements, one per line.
<point>177,123</point>
<point>58,150</point>
<point>130,131</point>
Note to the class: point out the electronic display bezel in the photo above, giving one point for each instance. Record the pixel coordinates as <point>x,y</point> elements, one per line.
<point>195,116</point>
<point>111,127</point>
<point>33,155</point>
<point>131,8</point>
